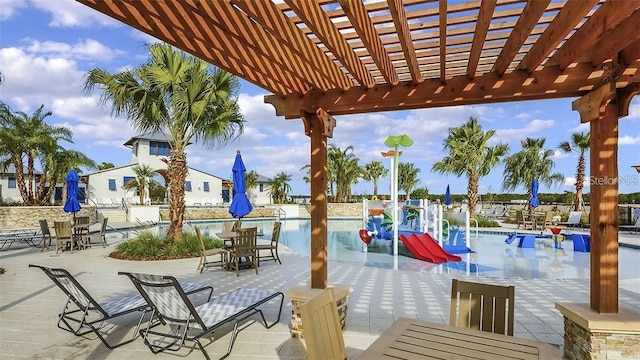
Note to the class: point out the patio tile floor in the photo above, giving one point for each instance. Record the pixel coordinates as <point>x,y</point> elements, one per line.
<point>29,304</point>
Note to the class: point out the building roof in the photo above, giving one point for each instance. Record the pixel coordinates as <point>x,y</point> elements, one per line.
<point>11,170</point>
<point>155,136</point>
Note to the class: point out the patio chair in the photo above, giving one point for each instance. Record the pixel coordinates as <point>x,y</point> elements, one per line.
<point>204,252</point>
<point>46,234</point>
<point>64,235</point>
<point>631,228</point>
<point>272,246</point>
<point>182,321</point>
<point>244,246</point>
<point>573,220</point>
<point>491,212</point>
<point>322,329</point>
<point>482,306</point>
<point>88,315</point>
<point>526,224</point>
<point>100,236</point>
<point>548,219</point>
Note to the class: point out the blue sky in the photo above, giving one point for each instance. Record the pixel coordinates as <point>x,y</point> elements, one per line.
<point>46,48</point>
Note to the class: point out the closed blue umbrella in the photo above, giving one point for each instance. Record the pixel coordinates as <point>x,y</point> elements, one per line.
<point>534,202</point>
<point>447,197</point>
<point>72,205</point>
<point>240,205</point>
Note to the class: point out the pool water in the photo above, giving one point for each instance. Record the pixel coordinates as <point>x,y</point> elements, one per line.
<point>492,257</point>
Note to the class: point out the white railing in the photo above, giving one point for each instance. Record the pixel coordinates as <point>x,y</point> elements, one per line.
<point>279,213</point>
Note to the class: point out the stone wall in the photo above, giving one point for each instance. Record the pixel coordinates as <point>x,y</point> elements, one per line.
<point>581,343</point>
<point>16,217</point>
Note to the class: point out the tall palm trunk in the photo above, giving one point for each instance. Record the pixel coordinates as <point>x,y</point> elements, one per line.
<point>375,187</point>
<point>177,172</point>
<point>19,173</point>
<point>579,181</point>
<point>472,191</point>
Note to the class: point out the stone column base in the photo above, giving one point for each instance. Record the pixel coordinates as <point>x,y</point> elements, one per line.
<point>301,294</point>
<point>591,335</point>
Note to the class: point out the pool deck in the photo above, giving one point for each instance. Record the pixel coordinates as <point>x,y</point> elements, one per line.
<point>29,303</point>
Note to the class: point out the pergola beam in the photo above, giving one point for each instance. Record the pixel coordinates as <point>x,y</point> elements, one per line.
<point>526,22</point>
<point>514,86</point>
<point>357,14</point>
<point>443,39</point>
<point>278,24</point>
<point>570,14</point>
<point>607,17</point>
<point>626,34</point>
<point>404,36</point>
<point>482,27</point>
<point>321,25</point>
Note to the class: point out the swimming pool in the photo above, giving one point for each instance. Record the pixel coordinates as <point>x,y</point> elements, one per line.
<point>493,258</point>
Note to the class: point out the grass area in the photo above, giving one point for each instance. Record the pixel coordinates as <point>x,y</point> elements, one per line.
<point>149,246</point>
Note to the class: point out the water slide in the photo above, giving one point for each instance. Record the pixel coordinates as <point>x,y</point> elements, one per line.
<point>424,247</point>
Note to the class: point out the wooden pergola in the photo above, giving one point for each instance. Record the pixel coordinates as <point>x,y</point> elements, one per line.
<point>323,58</point>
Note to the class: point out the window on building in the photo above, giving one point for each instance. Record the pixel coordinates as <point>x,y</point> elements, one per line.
<point>261,187</point>
<point>12,182</point>
<point>187,186</point>
<point>126,179</point>
<point>112,184</point>
<point>159,148</point>
<point>205,186</point>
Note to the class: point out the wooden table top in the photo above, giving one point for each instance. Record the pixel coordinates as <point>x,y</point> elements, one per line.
<point>417,339</point>
<point>230,235</point>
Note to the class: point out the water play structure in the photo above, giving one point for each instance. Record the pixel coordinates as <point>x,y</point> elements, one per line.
<point>416,221</point>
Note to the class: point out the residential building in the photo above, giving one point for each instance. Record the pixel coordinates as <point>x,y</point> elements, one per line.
<point>106,187</point>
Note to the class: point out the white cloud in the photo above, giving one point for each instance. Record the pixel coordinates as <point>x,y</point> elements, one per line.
<point>629,140</point>
<point>87,49</point>
<point>582,127</point>
<point>559,154</point>
<point>536,127</point>
<point>10,7</point>
<point>34,80</point>
<point>70,13</point>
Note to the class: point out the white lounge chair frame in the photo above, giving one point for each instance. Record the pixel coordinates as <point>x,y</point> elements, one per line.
<point>185,322</point>
<point>82,314</point>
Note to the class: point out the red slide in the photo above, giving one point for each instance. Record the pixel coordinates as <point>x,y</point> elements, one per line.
<point>423,247</point>
<point>432,245</point>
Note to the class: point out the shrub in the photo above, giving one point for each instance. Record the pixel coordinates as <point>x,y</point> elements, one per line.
<point>484,222</point>
<point>149,246</point>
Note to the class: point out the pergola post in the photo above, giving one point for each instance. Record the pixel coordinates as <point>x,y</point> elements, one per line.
<point>318,126</point>
<point>590,329</point>
<point>604,211</point>
<point>598,109</point>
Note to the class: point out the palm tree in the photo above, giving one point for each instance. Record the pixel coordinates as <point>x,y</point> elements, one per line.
<point>56,166</point>
<point>279,187</point>
<point>343,170</point>
<point>179,96</point>
<point>407,178</point>
<point>28,137</point>
<point>580,143</point>
<point>143,173</point>
<point>373,171</point>
<point>105,165</point>
<point>470,155</point>
<point>532,162</point>
<point>251,181</point>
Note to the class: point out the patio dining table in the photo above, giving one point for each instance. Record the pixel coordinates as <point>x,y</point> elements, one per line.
<point>418,339</point>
